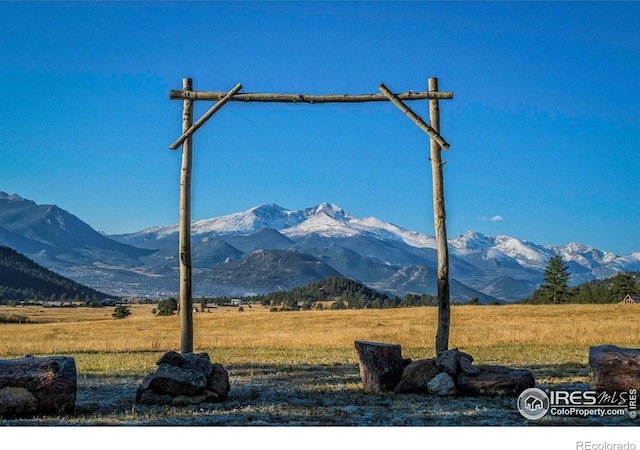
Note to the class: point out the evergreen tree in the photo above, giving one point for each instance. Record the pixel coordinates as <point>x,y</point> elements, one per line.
<point>622,285</point>
<point>556,281</point>
<point>167,307</point>
<point>120,312</point>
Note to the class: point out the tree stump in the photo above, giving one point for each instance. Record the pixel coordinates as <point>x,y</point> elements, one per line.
<point>614,368</point>
<point>31,386</point>
<point>381,366</point>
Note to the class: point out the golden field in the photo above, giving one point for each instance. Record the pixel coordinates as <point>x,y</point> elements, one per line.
<point>513,335</point>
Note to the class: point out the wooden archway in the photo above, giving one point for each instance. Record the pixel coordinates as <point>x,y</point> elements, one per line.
<point>437,142</point>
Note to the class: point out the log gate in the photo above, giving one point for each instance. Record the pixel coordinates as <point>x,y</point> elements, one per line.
<point>437,142</point>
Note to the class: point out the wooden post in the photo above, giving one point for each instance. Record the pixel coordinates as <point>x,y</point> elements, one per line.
<point>184,250</point>
<point>439,216</point>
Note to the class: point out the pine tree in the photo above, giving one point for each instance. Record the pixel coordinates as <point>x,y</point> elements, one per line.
<point>120,312</point>
<point>556,278</point>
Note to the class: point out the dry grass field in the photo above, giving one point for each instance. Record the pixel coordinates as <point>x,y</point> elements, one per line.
<point>312,351</point>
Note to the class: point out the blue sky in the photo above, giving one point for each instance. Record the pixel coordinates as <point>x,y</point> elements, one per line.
<point>543,128</point>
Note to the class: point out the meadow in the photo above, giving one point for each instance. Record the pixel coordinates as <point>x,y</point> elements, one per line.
<point>553,341</point>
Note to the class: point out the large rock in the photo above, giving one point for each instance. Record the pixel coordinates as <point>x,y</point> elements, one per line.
<point>447,361</point>
<point>498,381</point>
<point>171,358</point>
<point>416,377</point>
<point>173,380</point>
<point>185,379</point>
<point>442,384</point>
<point>218,382</point>
<point>465,363</point>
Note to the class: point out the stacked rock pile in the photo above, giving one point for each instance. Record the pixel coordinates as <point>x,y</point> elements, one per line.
<point>180,380</point>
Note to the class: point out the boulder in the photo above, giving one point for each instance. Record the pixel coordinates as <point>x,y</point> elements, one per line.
<point>218,382</point>
<point>416,377</point>
<point>184,379</point>
<point>171,358</point>
<point>175,381</point>
<point>497,381</point>
<point>447,361</point>
<point>465,363</point>
<point>442,384</point>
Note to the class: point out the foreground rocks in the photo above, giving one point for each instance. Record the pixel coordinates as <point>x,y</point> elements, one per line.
<point>180,380</point>
<point>452,373</point>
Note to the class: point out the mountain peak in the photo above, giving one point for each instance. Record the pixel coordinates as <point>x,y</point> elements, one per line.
<point>14,198</point>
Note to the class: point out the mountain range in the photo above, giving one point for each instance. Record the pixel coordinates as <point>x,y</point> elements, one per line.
<point>269,248</point>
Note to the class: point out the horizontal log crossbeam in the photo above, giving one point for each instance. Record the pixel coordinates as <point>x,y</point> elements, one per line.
<point>306,98</point>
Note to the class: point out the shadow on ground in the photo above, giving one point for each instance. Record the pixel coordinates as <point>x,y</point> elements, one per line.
<point>320,395</point>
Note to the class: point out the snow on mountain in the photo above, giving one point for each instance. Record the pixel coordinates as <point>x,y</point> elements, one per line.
<point>381,254</point>
<point>325,220</point>
<point>526,254</point>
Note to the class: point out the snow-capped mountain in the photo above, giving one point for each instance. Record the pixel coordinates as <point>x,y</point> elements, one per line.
<point>268,248</point>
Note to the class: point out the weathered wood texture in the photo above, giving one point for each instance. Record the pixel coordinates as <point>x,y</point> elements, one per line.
<point>32,386</point>
<point>381,366</point>
<point>184,233</point>
<point>189,94</point>
<point>206,116</point>
<point>439,214</point>
<point>433,134</point>
<point>613,368</point>
<point>497,381</point>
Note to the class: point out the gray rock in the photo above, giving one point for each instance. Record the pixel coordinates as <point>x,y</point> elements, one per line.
<point>465,362</point>
<point>151,398</point>
<point>175,381</point>
<point>416,377</point>
<point>218,381</point>
<point>199,363</point>
<point>442,384</point>
<point>171,358</point>
<point>447,361</point>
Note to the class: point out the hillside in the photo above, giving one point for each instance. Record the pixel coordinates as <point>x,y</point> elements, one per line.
<point>23,279</point>
<point>336,291</point>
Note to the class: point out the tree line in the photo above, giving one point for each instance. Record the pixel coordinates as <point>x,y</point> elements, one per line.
<point>556,289</point>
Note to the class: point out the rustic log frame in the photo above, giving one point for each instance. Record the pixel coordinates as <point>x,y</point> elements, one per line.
<point>188,95</point>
